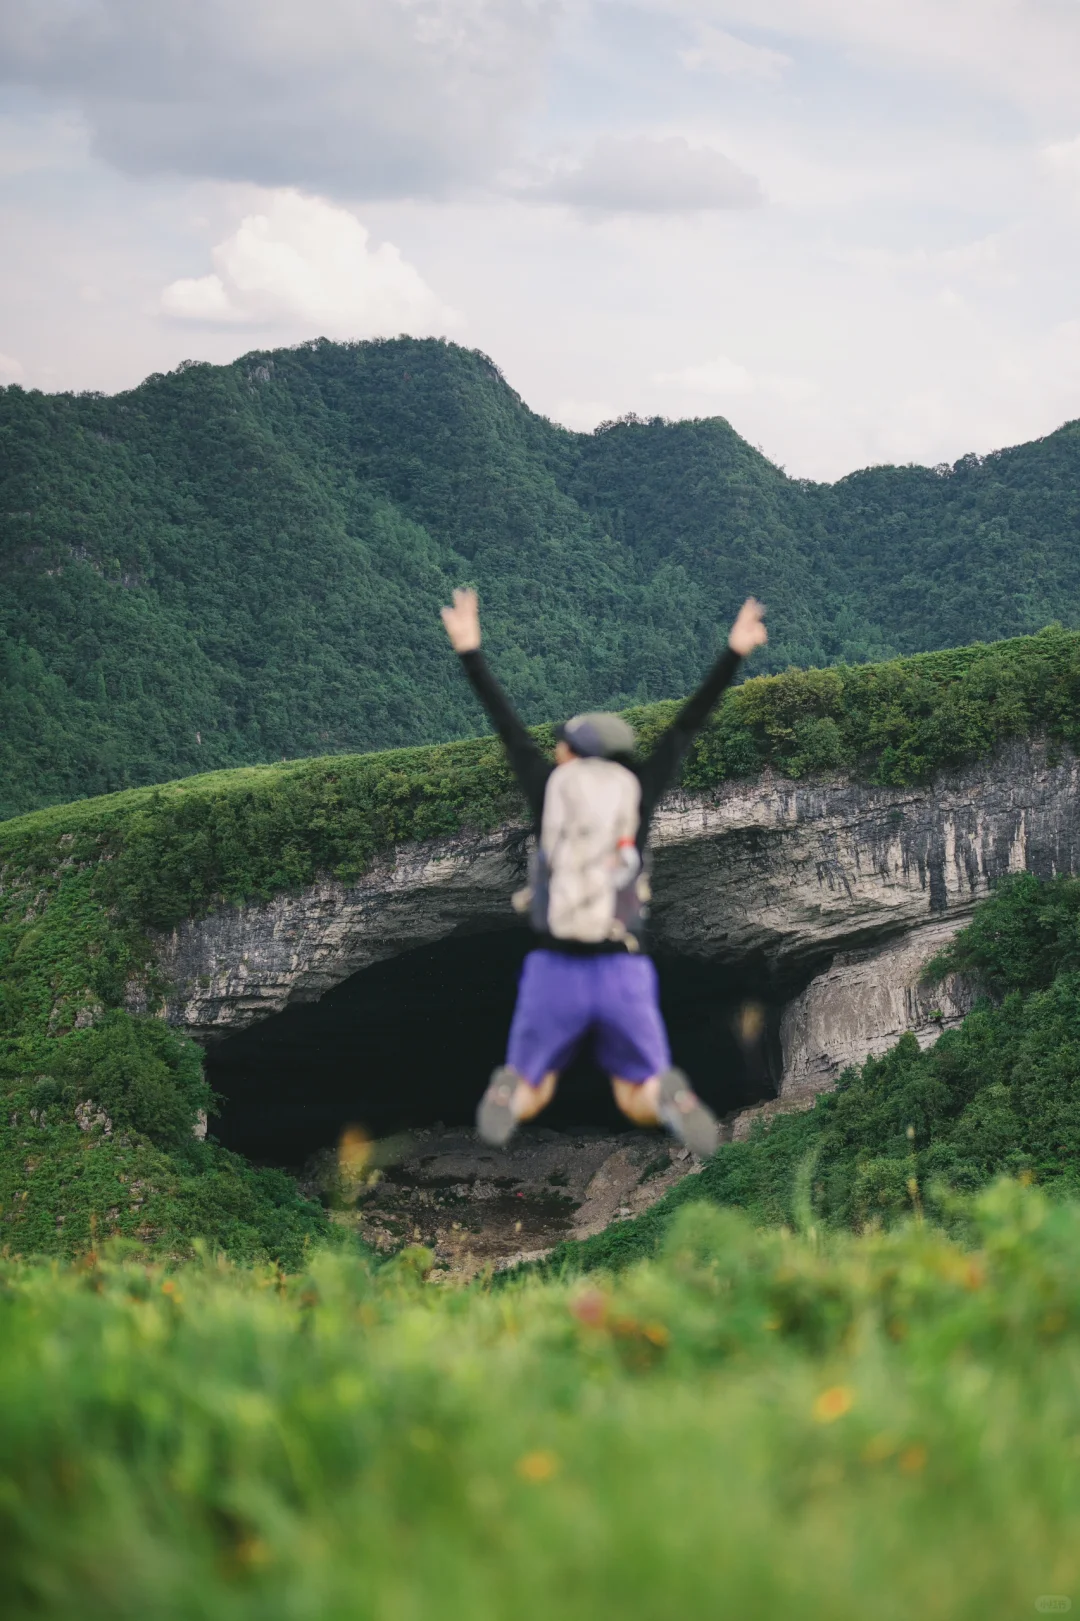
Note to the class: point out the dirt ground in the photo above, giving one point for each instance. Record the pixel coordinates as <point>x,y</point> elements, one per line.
<point>479,1207</point>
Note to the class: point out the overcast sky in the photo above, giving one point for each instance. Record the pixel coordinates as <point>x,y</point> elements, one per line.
<point>850,226</point>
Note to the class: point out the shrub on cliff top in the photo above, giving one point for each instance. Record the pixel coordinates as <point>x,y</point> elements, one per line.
<point>231,836</point>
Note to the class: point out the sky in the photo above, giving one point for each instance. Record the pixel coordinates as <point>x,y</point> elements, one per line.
<point>851,227</point>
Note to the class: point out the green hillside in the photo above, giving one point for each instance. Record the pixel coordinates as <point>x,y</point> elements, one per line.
<point>83,885</point>
<point>232,564</point>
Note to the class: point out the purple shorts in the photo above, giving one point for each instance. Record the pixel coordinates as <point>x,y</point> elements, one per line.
<point>612,997</point>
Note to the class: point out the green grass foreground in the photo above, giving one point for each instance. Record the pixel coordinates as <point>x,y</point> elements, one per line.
<point>752,1424</point>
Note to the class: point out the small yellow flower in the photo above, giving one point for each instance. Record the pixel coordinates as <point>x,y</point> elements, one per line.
<point>913,1458</point>
<point>354,1151</point>
<point>354,1155</point>
<point>656,1334</point>
<point>252,1553</point>
<point>833,1403</point>
<point>537,1466</point>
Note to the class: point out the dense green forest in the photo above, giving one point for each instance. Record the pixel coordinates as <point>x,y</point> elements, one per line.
<point>234,564</point>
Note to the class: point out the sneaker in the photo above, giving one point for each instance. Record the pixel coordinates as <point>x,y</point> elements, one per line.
<point>685,1116</point>
<point>495,1118</point>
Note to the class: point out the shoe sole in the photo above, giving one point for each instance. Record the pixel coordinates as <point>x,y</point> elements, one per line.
<point>685,1116</point>
<point>495,1118</point>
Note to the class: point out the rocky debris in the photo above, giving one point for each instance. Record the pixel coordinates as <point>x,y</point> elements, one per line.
<point>479,1207</point>
<point>88,1117</point>
<point>737,1130</point>
<point>633,1176</point>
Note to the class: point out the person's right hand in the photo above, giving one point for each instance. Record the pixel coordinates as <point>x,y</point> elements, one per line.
<point>748,631</point>
<point>462,621</point>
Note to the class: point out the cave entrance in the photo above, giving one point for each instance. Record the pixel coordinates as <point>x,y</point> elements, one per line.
<point>411,1042</point>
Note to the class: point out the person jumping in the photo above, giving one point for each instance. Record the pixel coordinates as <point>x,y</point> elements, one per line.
<point>588,897</point>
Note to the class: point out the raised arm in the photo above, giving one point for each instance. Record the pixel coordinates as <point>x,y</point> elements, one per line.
<point>659,771</point>
<point>527,761</point>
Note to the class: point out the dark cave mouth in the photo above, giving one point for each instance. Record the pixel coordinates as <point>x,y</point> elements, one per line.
<point>409,1043</point>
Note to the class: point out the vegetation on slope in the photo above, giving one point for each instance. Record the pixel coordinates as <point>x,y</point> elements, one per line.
<point>1001,1094</point>
<point>229,565</point>
<point>752,1424</point>
<point>98,1108</point>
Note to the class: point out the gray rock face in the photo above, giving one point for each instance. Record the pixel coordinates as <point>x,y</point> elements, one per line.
<point>242,964</point>
<point>831,885</point>
<point>863,1003</point>
<point>798,870</point>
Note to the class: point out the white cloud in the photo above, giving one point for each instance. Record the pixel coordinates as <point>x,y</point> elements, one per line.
<point>983,263</point>
<point>582,415</point>
<point>305,260</point>
<point>1061,160</point>
<point>1025,50</point>
<point>719,376</point>
<point>37,140</point>
<point>11,370</point>
<point>648,174</point>
<point>982,254</point>
<point>369,97</point>
<point>725,377</point>
<point>721,52</point>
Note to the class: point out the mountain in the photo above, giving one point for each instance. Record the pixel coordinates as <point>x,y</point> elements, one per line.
<point>231,564</point>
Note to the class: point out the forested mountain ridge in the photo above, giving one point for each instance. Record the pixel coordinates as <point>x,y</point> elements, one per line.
<point>231,564</point>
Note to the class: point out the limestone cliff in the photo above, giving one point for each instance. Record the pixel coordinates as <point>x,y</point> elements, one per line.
<point>841,889</point>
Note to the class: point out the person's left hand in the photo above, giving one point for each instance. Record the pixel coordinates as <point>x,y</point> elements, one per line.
<point>748,631</point>
<point>462,621</point>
